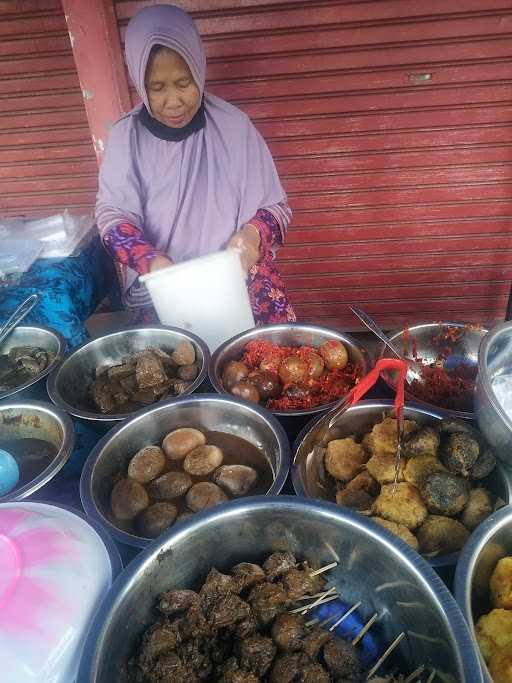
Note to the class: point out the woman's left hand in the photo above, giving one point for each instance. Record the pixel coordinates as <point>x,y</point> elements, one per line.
<point>247,240</point>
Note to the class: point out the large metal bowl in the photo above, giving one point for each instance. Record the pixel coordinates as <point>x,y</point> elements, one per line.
<point>208,412</point>
<point>399,586</point>
<point>309,477</point>
<point>494,359</point>
<point>289,334</point>
<point>488,544</point>
<point>36,420</point>
<point>68,383</point>
<point>420,338</point>
<point>44,338</point>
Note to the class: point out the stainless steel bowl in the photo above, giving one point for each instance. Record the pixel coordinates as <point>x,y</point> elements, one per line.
<point>465,350</point>
<point>290,334</point>
<point>487,545</point>
<point>494,359</point>
<point>404,591</point>
<point>308,474</point>
<point>68,383</point>
<point>208,412</point>
<point>36,420</point>
<point>42,337</point>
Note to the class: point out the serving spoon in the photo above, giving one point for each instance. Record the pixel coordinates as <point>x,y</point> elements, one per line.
<point>413,367</point>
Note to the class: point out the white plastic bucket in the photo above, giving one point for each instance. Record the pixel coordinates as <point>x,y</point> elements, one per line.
<point>207,296</point>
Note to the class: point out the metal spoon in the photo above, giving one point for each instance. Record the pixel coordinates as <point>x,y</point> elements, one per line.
<point>18,315</point>
<point>414,368</point>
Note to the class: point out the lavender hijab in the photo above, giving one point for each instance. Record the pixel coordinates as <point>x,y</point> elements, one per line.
<point>188,197</point>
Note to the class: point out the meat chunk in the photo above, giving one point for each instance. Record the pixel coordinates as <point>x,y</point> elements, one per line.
<point>287,667</point>
<point>278,564</point>
<point>226,610</point>
<point>288,630</point>
<point>315,640</point>
<point>245,628</point>
<point>194,654</point>
<point>267,601</point>
<point>314,673</point>
<point>174,602</point>
<point>169,667</point>
<point>149,371</point>
<point>216,584</point>
<point>160,638</point>
<point>193,624</point>
<point>342,659</point>
<point>256,654</point>
<point>247,575</point>
<point>299,582</point>
<point>231,673</point>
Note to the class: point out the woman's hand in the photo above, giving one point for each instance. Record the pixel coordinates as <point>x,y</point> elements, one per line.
<point>247,241</point>
<point>159,262</point>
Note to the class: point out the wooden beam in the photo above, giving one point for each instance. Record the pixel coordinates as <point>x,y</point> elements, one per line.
<point>96,45</point>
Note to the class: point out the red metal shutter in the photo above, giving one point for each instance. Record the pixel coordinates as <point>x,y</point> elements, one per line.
<point>47,161</point>
<point>391,125</point>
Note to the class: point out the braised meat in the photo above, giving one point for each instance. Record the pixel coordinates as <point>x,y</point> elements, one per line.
<point>226,610</point>
<point>267,601</point>
<point>256,654</point>
<point>342,659</point>
<point>278,564</point>
<point>315,640</point>
<point>299,582</point>
<point>230,672</point>
<point>288,630</point>
<point>247,575</point>
<point>173,602</point>
<point>160,638</point>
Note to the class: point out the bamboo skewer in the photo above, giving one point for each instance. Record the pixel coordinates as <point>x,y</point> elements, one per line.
<point>365,628</point>
<point>385,655</point>
<point>323,597</point>
<point>323,569</point>
<point>431,677</point>
<point>347,614</point>
<point>415,674</point>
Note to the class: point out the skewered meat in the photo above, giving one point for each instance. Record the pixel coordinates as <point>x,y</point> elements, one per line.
<point>267,601</point>
<point>174,602</point>
<point>342,659</point>
<point>288,630</point>
<point>247,575</point>
<point>299,582</point>
<point>315,640</point>
<point>278,564</point>
<point>256,654</point>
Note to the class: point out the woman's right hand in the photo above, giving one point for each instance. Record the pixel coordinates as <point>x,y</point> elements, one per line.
<point>160,262</point>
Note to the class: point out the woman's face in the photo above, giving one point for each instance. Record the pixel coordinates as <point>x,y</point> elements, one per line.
<point>173,95</point>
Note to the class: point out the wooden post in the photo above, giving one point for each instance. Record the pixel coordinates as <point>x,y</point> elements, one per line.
<point>96,45</point>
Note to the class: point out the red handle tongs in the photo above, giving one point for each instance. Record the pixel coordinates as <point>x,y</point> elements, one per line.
<point>366,383</point>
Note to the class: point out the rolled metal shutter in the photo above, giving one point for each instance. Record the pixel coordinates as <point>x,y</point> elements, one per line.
<point>391,126</point>
<point>47,161</point>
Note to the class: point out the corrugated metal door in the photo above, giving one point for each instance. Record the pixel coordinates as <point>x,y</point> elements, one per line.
<point>391,125</point>
<point>47,161</point>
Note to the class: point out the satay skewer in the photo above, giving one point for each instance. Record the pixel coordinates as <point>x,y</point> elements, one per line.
<point>321,598</point>
<point>385,655</point>
<point>365,628</point>
<point>347,614</point>
<point>326,568</point>
<point>415,674</point>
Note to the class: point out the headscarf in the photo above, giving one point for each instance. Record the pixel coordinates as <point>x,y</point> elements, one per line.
<point>188,197</point>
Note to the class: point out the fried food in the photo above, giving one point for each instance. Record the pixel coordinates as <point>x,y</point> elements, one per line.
<point>399,530</point>
<point>500,666</point>
<point>344,458</point>
<point>460,453</point>
<point>440,535</point>
<point>419,468</point>
<point>402,504</point>
<point>364,482</point>
<point>478,508</point>
<point>382,468</point>
<point>494,632</point>
<point>501,584</point>
<point>445,494</point>
<point>384,440</point>
<point>425,441</point>
<point>355,499</point>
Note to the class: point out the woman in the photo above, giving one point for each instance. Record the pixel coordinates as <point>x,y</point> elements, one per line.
<point>185,173</point>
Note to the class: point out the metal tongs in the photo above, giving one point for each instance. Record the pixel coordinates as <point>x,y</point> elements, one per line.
<point>361,388</point>
<point>18,315</point>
